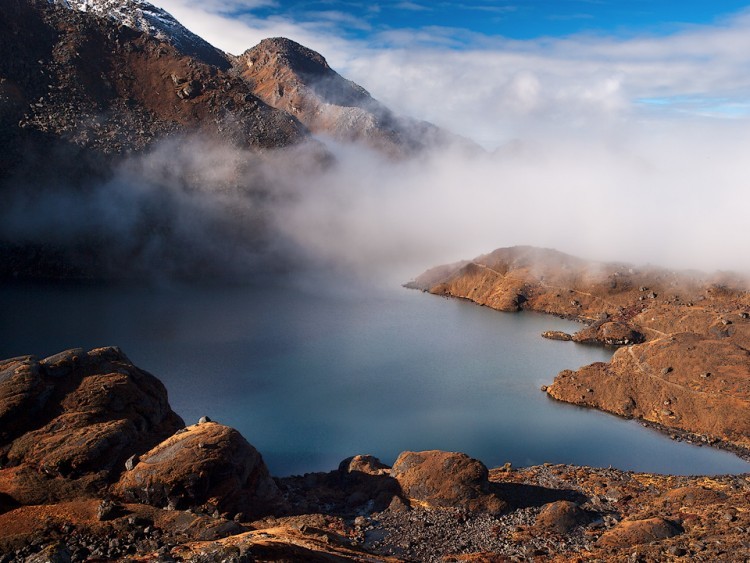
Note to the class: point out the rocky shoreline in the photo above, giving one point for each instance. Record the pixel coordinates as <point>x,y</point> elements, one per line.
<point>681,364</point>
<point>95,466</point>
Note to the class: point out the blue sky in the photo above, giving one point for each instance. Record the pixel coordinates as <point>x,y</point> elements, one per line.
<point>525,19</point>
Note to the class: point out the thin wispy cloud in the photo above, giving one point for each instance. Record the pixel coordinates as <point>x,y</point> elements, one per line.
<point>411,6</point>
<point>566,17</point>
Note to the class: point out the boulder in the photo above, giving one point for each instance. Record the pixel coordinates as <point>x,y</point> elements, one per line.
<point>692,495</point>
<point>69,422</point>
<point>633,532</point>
<point>438,479</point>
<point>561,517</point>
<point>361,465</point>
<point>557,335</point>
<point>207,466</point>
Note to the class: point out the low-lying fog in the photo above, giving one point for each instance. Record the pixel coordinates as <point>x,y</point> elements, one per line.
<point>629,149</point>
<point>673,195</point>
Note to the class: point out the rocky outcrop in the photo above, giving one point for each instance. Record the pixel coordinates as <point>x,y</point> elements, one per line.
<point>446,480</point>
<point>207,466</point>
<point>609,333</point>
<point>69,422</point>
<point>561,517</point>
<point>684,336</point>
<point>557,335</point>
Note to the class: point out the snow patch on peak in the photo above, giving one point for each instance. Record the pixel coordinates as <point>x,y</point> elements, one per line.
<point>151,20</point>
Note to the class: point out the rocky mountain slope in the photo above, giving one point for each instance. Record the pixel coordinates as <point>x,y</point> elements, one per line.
<point>153,21</point>
<point>683,362</point>
<point>298,80</point>
<point>117,75</point>
<point>88,82</point>
<point>113,105</point>
<point>94,465</point>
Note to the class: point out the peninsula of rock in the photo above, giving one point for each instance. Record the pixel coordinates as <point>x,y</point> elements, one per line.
<point>682,338</point>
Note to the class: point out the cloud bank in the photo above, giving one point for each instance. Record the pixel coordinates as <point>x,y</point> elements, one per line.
<point>612,149</point>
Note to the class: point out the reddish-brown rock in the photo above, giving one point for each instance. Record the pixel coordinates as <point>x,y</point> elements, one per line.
<point>70,421</point>
<point>446,480</point>
<point>609,333</point>
<point>207,465</point>
<point>686,364</point>
<point>635,532</point>
<point>561,517</point>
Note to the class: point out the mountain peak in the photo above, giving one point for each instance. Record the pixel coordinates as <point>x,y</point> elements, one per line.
<point>153,21</point>
<point>293,78</point>
<point>289,53</point>
<point>281,60</point>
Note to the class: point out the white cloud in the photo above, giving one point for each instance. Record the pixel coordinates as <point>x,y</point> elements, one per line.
<point>612,148</point>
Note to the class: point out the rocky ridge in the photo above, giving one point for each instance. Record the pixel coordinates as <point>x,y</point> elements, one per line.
<point>95,466</point>
<point>291,77</point>
<point>153,21</point>
<point>683,337</point>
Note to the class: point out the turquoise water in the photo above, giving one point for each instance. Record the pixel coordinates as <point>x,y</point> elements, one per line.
<point>311,375</point>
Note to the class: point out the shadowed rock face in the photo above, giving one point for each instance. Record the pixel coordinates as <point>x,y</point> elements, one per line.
<point>69,422</point>
<point>686,363</point>
<point>207,465</point>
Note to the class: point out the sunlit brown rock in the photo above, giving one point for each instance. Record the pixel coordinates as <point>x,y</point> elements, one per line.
<point>210,466</point>
<point>70,421</point>
<point>638,531</point>
<point>446,480</point>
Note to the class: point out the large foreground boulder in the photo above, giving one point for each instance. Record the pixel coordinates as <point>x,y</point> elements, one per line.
<point>69,422</point>
<point>438,479</point>
<point>207,466</point>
